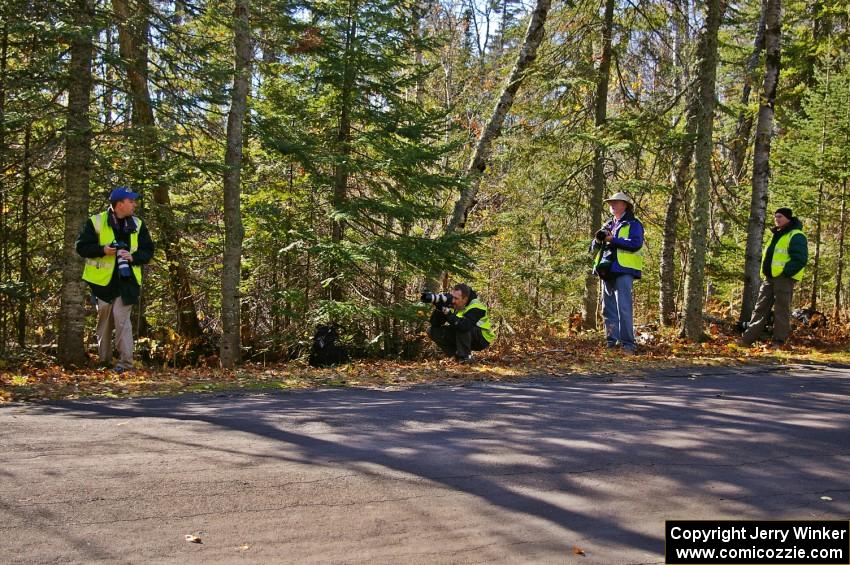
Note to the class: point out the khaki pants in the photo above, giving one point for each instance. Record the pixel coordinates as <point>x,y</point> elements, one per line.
<point>115,316</point>
<point>775,293</point>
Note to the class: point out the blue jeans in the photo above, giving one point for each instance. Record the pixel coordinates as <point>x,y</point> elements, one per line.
<point>617,311</point>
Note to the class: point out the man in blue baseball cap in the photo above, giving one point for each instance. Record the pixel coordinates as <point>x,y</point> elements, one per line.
<point>115,244</point>
<point>122,193</point>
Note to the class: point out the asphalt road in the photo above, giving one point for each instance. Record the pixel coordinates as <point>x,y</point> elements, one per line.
<point>524,472</point>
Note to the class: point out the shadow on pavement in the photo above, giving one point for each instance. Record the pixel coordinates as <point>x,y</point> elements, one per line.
<point>707,435</point>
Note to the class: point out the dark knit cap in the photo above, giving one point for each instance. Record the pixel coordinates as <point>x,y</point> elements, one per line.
<point>786,212</point>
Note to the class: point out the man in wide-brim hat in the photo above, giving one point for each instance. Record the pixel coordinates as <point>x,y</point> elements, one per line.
<point>618,261</point>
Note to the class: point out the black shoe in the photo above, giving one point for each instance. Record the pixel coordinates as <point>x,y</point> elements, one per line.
<point>467,360</point>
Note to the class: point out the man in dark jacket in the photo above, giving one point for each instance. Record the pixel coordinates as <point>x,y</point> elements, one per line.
<point>463,328</point>
<point>115,244</point>
<point>783,264</point>
<point>618,261</point>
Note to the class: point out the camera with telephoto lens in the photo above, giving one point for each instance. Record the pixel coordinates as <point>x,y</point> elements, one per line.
<point>437,298</point>
<point>123,265</point>
<point>601,235</point>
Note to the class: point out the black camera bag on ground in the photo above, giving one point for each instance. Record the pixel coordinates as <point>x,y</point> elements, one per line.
<point>324,351</point>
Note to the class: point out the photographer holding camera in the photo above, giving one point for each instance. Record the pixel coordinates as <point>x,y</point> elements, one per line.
<point>618,261</point>
<point>459,322</point>
<point>115,244</point>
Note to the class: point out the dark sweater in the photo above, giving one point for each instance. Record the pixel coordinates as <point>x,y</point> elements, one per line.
<point>465,324</point>
<point>88,246</point>
<point>798,249</point>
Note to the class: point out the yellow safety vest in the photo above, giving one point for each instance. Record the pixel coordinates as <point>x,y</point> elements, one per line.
<point>483,323</point>
<point>99,270</point>
<point>628,259</point>
<point>781,256</point>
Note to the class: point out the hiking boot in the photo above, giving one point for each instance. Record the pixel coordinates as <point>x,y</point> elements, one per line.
<point>467,360</point>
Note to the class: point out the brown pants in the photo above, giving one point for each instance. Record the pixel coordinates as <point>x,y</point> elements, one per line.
<point>115,316</point>
<point>775,293</point>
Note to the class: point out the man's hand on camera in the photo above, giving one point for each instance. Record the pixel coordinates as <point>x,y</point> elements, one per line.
<point>124,254</point>
<point>446,310</point>
<point>109,250</point>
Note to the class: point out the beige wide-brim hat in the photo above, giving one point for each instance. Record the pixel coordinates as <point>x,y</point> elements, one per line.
<point>621,196</point>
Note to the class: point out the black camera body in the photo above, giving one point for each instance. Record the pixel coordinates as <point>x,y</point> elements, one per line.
<point>601,235</point>
<point>437,298</point>
<point>124,270</point>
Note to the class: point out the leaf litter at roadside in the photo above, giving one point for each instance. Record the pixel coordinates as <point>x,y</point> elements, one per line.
<point>577,353</point>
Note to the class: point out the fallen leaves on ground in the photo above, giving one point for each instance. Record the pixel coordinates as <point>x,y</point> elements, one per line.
<point>511,357</point>
<point>577,550</point>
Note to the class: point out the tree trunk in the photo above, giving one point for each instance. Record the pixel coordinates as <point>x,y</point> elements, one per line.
<point>839,277</point>
<point>341,170</point>
<point>667,275</point>
<point>842,222</point>
<point>679,174</point>
<point>25,253</point>
<point>78,157</point>
<point>740,141</point>
<point>107,77</point>
<point>813,304</point>
<point>232,265</point>
<point>4,237</point>
<point>820,13</point>
<point>132,42</point>
<point>707,74</point>
<point>481,154</point>
<point>420,9</point>
<point>591,282</point>
<point>383,321</point>
<point>761,158</point>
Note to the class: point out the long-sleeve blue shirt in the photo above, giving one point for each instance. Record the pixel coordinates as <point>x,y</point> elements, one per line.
<point>631,243</point>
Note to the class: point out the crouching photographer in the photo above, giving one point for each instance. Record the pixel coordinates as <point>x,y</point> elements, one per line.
<point>459,322</point>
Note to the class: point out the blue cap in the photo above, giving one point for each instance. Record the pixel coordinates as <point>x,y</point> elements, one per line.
<point>121,193</point>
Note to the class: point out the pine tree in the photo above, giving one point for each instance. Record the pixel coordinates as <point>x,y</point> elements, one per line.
<point>811,168</point>
<point>339,111</point>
